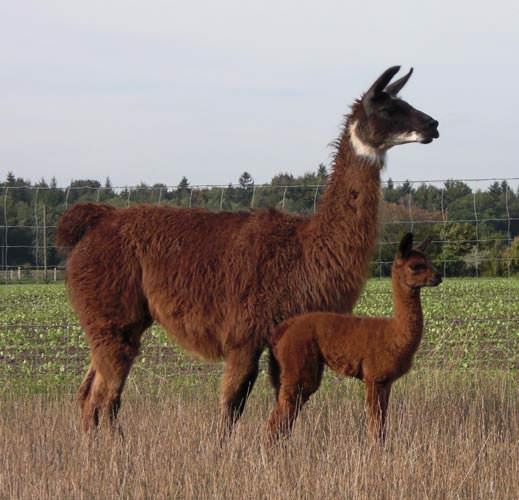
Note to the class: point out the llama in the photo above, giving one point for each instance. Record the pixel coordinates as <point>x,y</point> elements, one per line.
<point>377,351</point>
<point>219,282</point>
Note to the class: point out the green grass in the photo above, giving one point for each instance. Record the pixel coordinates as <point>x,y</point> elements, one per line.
<point>453,421</point>
<point>469,323</point>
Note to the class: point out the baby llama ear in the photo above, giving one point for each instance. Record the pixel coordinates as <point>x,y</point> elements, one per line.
<point>406,246</point>
<point>425,244</point>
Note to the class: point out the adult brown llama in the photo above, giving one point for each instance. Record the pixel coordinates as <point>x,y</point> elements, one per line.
<point>219,282</point>
<point>377,351</point>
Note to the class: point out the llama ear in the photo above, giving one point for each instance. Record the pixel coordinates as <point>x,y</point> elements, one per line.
<point>396,87</point>
<point>425,244</point>
<point>380,84</point>
<point>406,246</point>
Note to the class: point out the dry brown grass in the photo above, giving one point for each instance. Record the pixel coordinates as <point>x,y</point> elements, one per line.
<point>451,436</point>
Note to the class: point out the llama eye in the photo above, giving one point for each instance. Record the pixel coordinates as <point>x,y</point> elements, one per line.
<point>389,111</point>
<point>417,267</point>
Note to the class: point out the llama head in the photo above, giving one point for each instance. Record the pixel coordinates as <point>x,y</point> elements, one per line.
<point>411,266</point>
<point>381,120</point>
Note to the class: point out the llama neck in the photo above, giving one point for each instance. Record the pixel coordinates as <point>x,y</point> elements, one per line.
<point>354,184</point>
<point>407,316</point>
<point>344,228</point>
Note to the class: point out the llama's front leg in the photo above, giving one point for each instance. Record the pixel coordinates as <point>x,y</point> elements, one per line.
<point>377,399</point>
<point>240,372</point>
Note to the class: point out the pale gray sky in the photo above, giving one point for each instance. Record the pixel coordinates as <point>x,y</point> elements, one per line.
<point>150,91</point>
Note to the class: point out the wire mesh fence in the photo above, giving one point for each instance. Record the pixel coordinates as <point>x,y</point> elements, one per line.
<point>473,222</point>
<point>471,319</point>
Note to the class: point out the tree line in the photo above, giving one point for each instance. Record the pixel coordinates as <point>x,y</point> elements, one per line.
<point>476,232</point>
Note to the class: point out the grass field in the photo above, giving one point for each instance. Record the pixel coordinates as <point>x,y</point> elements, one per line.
<point>453,428</point>
<point>450,436</point>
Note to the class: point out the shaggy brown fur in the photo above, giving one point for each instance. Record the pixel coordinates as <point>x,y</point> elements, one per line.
<point>218,282</point>
<point>375,350</point>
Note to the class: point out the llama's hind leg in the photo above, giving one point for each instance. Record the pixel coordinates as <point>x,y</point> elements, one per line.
<point>274,373</point>
<point>377,400</point>
<point>113,353</point>
<point>293,393</point>
<point>283,417</point>
<point>83,392</point>
<point>290,402</point>
<point>240,372</point>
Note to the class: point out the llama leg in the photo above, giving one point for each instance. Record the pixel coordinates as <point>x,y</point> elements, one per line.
<point>85,387</point>
<point>293,394</point>
<point>112,357</point>
<point>282,419</point>
<point>104,398</point>
<point>274,373</point>
<point>377,399</point>
<point>240,372</point>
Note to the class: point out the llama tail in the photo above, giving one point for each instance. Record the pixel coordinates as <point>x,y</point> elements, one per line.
<point>77,221</point>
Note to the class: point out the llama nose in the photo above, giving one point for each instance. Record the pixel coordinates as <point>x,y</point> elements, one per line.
<point>432,123</point>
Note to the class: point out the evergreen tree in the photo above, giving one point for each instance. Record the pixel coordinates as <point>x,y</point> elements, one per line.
<point>11,179</point>
<point>406,187</point>
<point>245,180</point>
<point>183,184</point>
<point>497,209</point>
<point>495,189</point>
<point>182,193</point>
<point>322,172</point>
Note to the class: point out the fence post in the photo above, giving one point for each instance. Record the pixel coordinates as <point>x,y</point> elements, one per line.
<point>55,275</point>
<point>19,273</point>
<point>44,243</point>
<point>36,233</point>
<point>6,246</point>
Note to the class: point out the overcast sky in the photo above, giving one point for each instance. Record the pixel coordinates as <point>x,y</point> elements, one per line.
<point>151,91</point>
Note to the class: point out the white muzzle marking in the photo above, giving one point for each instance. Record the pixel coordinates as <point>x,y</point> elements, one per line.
<point>407,137</point>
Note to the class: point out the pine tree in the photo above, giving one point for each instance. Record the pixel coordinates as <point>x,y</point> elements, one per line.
<point>245,180</point>
<point>183,184</point>
<point>11,179</point>
<point>322,172</point>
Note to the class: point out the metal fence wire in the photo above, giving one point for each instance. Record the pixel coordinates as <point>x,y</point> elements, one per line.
<point>472,318</point>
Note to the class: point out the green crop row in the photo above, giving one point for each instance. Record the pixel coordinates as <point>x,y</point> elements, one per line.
<point>469,323</point>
